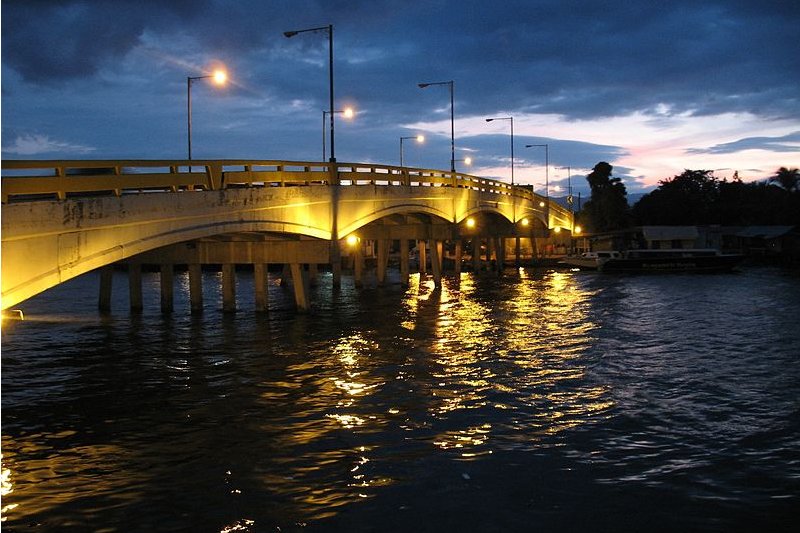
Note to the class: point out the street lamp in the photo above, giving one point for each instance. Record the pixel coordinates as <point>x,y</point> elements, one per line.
<point>419,138</point>
<point>219,77</point>
<point>452,120</point>
<point>329,29</point>
<point>346,112</point>
<point>546,177</point>
<point>512,142</point>
<point>467,161</point>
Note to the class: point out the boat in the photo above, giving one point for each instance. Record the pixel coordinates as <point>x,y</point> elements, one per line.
<point>590,260</point>
<point>672,260</point>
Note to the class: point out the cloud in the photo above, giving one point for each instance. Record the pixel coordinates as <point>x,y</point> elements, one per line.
<point>787,143</point>
<point>33,145</point>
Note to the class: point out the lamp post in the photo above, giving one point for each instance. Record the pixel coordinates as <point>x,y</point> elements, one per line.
<point>546,177</point>
<point>419,138</point>
<point>329,29</point>
<point>452,120</point>
<point>220,77</point>
<point>347,112</point>
<point>511,119</point>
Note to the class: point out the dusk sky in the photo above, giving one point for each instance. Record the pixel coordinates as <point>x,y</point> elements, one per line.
<point>651,87</point>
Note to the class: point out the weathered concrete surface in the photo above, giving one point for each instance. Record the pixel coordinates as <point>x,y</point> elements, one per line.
<point>45,243</point>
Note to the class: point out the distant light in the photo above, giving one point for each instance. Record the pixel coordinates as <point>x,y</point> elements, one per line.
<point>578,230</point>
<point>420,138</point>
<point>541,204</point>
<point>470,222</point>
<point>348,112</point>
<point>525,221</point>
<point>467,160</point>
<point>557,229</point>
<point>220,77</point>
<point>352,240</point>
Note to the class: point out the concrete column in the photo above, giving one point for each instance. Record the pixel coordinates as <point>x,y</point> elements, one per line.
<point>476,254</point>
<point>490,251</point>
<point>436,262</point>
<point>383,260</point>
<point>358,264</point>
<point>404,267</point>
<point>423,256</point>
<point>135,287</point>
<point>106,280</point>
<point>195,288</point>
<point>501,253</point>
<point>459,256</point>
<point>228,288</point>
<point>517,254</point>
<point>300,282</point>
<point>167,292</point>
<point>260,284</point>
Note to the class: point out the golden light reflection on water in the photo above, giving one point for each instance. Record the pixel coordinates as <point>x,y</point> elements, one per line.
<point>36,478</point>
<point>532,370</point>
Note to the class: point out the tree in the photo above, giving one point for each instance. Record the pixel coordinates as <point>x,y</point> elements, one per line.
<point>607,209</point>
<point>788,179</point>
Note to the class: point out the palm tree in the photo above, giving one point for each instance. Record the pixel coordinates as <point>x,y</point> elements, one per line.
<point>788,179</point>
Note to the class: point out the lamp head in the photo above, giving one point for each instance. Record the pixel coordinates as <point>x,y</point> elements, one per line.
<point>423,85</point>
<point>489,119</point>
<point>289,34</point>
<point>420,138</point>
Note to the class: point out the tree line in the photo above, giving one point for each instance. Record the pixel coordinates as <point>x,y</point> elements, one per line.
<point>695,197</point>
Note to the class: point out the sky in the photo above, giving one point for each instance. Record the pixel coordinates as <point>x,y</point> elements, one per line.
<point>651,87</point>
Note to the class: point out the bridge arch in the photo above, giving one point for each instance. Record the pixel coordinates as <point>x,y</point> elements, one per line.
<point>61,219</point>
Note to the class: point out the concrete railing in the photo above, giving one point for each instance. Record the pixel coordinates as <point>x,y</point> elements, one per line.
<point>30,180</point>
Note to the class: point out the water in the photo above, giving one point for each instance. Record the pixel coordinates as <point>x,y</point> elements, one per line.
<point>540,401</point>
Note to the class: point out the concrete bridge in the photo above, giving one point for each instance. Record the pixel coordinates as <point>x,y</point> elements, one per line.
<point>61,219</point>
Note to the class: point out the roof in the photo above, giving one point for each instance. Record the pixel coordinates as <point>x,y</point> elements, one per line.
<point>765,232</point>
<point>669,233</point>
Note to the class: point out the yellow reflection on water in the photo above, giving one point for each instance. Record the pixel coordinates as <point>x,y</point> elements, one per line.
<point>36,478</point>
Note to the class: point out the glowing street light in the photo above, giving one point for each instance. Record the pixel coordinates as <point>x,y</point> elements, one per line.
<point>512,142</point>
<point>347,112</point>
<point>419,138</point>
<point>329,29</point>
<point>470,222</point>
<point>451,83</point>
<point>220,77</point>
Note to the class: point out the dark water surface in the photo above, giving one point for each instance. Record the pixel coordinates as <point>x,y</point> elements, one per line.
<point>540,401</point>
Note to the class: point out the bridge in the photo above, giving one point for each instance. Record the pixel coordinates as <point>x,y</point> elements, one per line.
<point>61,219</point>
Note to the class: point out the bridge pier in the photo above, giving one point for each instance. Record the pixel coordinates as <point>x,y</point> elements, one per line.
<point>436,261</point>
<point>135,287</point>
<point>458,257</point>
<point>167,288</point>
<point>196,288</point>
<point>228,288</point>
<point>423,256</point>
<point>404,266</point>
<point>260,271</point>
<point>300,283</point>
<point>106,282</point>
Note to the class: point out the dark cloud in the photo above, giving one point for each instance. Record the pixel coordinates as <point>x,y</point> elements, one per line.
<point>787,143</point>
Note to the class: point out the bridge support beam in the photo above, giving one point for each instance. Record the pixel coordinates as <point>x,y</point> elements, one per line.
<point>260,286</point>
<point>358,264</point>
<point>228,288</point>
<point>383,260</point>
<point>404,267</point>
<point>476,254</point>
<point>195,288</point>
<point>423,256</point>
<point>106,282</point>
<point>135,287</point>
<point>458,257</point>
<point>300,282</point>
<point>167,292</point>
<point>436,262</point>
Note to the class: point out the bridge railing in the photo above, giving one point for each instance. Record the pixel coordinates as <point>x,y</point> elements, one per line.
<point>30,180</point>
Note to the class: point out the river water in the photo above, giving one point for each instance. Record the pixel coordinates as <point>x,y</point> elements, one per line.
<point>542,400</point>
